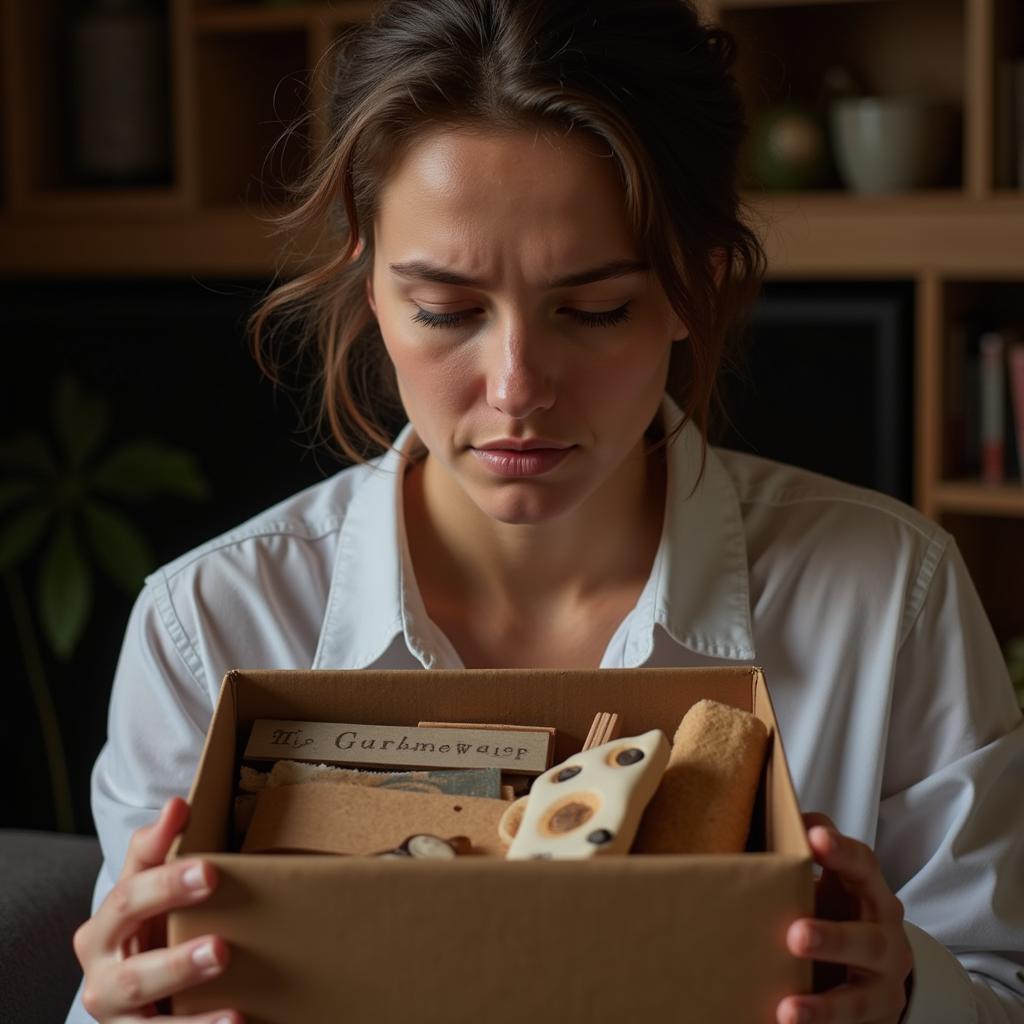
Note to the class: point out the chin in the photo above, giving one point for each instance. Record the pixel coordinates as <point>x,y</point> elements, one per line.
<point>524,509</point>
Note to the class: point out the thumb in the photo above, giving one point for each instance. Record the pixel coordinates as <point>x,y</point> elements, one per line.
<point>149,844</point>
<point>812,818</point>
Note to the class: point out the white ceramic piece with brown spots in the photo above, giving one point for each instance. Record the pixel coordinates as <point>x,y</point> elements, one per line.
<point>591,804</point>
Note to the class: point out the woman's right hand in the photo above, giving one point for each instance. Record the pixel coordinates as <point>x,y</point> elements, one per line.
<point>122,947</point>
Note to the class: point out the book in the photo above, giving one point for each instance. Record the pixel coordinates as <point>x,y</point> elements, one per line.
<point>970,464</point>
<point>954,373</point>
<point>993,407</point>
<point>1015,361</point>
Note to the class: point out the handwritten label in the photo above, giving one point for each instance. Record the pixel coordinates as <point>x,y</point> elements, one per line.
<point>397,746</point>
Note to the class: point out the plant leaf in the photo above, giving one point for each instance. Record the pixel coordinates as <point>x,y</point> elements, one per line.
<point>12,492</point>
<point>119,547</point>
<point>146,468</point>
<point>80,419</point>
<point>27,454</point>
<point>19,533</point>
<point>65,591</point>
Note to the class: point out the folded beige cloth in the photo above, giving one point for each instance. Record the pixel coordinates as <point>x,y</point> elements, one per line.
<point>706,796</point>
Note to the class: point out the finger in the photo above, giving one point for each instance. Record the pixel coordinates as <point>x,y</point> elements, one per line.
<point>134,900</point>
<point>854,1003</point>
<point>129,904</point>
<point>812,818</point>
<point>860,944</point>
<point>858,870</point>
<point>128,986</point>
<point>148,845</point>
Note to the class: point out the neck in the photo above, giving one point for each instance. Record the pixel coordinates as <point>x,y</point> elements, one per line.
<point>466,559</point>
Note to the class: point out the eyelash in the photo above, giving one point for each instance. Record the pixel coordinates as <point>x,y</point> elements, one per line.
<point>608,318</point>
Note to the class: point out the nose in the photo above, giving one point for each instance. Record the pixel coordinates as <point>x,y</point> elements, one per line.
<point>520,375</point>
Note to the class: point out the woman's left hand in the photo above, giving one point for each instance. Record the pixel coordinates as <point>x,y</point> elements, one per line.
<point>859,926</point>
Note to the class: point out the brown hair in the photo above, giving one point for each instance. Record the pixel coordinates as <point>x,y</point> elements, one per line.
<point>646,76</point>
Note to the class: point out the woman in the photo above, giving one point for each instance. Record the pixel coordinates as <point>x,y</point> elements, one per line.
<point>543,261</point>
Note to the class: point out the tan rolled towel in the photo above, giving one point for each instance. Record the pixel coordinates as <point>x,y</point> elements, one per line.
<point>706,796</point>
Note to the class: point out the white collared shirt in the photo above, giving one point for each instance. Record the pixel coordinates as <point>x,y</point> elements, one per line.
<point>893,701</point>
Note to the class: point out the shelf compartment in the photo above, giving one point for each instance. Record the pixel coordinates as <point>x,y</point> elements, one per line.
<point>1007,139</point>
<point>994,555</point>
<point>43,89</point>
<point>255,129</point>
<point>785,50</point>
<point>970,309</point>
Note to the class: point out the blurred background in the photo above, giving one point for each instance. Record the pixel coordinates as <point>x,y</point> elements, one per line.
<point>146,142</point>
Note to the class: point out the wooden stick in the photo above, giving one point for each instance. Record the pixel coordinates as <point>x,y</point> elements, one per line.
<point>589,741</point>
<point>604,728</point>
<point>611,731</point>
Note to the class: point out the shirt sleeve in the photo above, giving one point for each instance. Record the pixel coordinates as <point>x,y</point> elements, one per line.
<point>950,834</point>
<point>157,721</point>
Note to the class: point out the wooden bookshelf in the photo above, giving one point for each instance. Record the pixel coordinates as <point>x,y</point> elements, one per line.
<point>971,498</point>
<point>241,73</point>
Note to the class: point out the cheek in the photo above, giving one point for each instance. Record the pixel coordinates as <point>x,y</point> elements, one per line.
<point>638,367</point>
<point>430,378</point>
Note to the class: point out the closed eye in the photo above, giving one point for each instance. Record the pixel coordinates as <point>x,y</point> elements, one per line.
<point>607,318</point>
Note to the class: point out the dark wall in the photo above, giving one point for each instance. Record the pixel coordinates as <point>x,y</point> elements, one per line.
<point>171,359</point>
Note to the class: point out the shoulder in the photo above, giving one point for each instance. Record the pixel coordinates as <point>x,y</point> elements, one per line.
<point>802,523</point>
<point>304,520</point>
<point>255,594</point>
<point>779,491</point>
<point>764,483</point>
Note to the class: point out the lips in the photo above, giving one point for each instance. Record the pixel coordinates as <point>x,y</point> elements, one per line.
<point>522,445</point>
<point>521,462</point>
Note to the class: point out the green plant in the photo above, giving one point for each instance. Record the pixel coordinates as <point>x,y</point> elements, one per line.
<point>59,498</point>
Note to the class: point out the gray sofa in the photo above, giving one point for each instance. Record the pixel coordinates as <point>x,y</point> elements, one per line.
<point>46,883</point>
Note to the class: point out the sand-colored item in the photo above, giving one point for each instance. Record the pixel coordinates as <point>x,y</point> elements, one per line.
<point>366,819</point>
<point>706,796</point>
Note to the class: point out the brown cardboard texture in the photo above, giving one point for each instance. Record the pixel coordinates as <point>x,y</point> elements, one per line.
<point>319,938</point>
<point>367,819</point>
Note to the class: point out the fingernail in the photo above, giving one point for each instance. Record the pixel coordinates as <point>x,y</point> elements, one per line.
<point>812,940</point>
<point>203,956</point>
<point>193,877</point>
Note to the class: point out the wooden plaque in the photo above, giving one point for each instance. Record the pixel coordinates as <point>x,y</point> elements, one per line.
<point>398,746</point>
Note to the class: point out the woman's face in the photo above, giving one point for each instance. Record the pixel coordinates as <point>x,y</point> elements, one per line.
<point>477,240</point>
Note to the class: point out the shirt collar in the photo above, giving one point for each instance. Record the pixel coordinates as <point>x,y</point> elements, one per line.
<point>372,592</point>
<point>698,589</point>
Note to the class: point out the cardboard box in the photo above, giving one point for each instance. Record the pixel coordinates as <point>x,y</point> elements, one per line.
<point>319,938</point>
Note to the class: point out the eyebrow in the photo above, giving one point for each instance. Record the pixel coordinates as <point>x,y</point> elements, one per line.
<point>421,270</point>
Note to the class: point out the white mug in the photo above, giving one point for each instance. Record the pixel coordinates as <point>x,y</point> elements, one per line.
<point>891,143</point>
